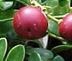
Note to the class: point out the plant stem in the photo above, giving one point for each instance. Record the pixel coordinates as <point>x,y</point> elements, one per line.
<point>59,17</point>
<point>53,18</point>
<point>71,9</point>
<point>37,4</point>
<point>59,38</point>
<point>69,3</point>
<point>8,19</point>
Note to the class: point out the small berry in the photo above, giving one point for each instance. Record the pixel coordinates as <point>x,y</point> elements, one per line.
<point>65,27</point>
<point>30,23</point>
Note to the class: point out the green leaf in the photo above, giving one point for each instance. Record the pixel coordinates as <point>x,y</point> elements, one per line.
<point>60,48</point>
<point>17,53</point>
<point>39,1</point>
<point>45,54</point>
<point>35,57</point>
<point>60,10</point>
<point>5,27</point>
<point>58,58</point>
<point>53,27</point>
<point>52,3</point>
<point>63,2</point>
<point>62,7</point>
<point>43,0</point>
<point>1,4</point>
<point>3,48</point>
<point>25,2</point>
<point>1,0</point>
<point>58,7</point>
<point>12,36</point>
<point>6,21</point>
<point>5,5</point>
<point>6,14</point>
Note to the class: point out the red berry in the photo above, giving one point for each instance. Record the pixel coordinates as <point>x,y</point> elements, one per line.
<point>65,27</point>
<point>30,23</point>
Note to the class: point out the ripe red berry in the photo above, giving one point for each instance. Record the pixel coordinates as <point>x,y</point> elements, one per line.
<point>30,22</point>
<point>65,27</point>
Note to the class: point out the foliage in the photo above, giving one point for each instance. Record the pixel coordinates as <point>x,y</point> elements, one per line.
<point>17,53</point>
<point>55,11</point>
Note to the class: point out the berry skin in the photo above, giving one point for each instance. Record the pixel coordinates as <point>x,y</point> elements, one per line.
<point>30,23</point>
<point>65,27</point>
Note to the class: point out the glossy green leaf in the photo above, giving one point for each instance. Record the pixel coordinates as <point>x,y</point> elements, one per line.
<point>5,5</point>
<point>64,2</point>
<point>25,2</point>
<point>52,3</point>
<point>5,27</point>
<point>3,48</point>
<point>45,54</point>
<point>1,4</point>
<point>6,21</point>
<point>60,48</point>
<point>58,7</point>
<point>53,27</point>
<point>17,53</point>
<point>60,10</point>
<point>35,57</point>
<point>62,7</point>
<point>58,58</point>
<point>12,36</point>
<point>6,14</point>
